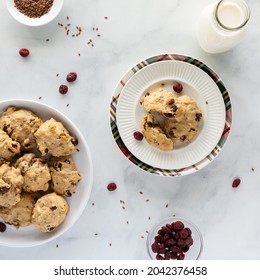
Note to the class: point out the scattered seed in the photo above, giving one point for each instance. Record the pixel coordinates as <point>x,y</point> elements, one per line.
<point>57,75</point>
<point>141,192</point>
<point>142,236</point>
<point>105,17</point>
<point>110,244</point>
<point>68,105</point>
<point>253,169</point>
<point>39,97</point>
<point>147,200</point>
<point>166,205</point>
<point>96,234</point>
<point>93,203</point>
<point>57,245</point>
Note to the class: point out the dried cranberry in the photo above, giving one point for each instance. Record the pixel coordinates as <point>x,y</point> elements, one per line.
<point>111,187</point>
<point>184,233</point>
<point>159,257</point>
<point>138,135</point>
<point>181,243</point>
<point>63,89</point>
<point>2,227</point>
<point>181,256</point>
<point>24,52</point>
<point>177,87</point>
<point>236,183</point>
<point>71,77</point>
<point>176,249</point>
<point>155,247</point>
<point>178,225</point>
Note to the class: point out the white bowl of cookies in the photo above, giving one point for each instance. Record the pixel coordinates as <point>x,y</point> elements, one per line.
<point>45,173</point>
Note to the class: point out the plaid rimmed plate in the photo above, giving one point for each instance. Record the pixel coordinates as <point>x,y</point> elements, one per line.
<point>220,88</point>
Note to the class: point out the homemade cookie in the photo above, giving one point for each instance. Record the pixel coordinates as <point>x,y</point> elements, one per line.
<point>64,175</point>
<point>11,182</point>
<point>8,147</point>
<point>49,212</point>
<point>164,103</point>
<point>20,215</point>
<point>53,138</point>
<point>35,171</point>
<point>20,125</point>
<point>187,129</point>
<point>154,134</point>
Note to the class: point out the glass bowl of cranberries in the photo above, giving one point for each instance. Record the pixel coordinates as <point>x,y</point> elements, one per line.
<point>174,238</point>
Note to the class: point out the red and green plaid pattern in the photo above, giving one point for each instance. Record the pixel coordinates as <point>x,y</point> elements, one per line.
<point>171,172</point>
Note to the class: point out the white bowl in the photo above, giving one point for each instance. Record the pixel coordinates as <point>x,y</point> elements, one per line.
<point>30,236</point>
<point>46,18</point>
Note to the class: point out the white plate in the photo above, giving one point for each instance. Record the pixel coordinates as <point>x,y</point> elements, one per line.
<point>30,236</point>
<point>46,18</point>
<point>199,86</point>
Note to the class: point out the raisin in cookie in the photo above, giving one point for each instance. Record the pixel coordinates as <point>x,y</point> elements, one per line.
<point>154,134</point>
<point>11,182</point>
<point>49,212</point>
<point>8,147</point>
<point>64,175</point>
<point>20,215</point>
<point>53,138</point>
<point>164,103</point>
<point>20,125</point>
<point>186,129</point>
<point>35,171</point>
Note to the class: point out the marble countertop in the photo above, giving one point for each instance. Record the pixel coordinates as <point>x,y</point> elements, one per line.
<point>122,33</point>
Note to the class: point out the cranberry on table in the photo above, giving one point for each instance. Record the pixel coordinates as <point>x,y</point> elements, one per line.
<point>236,183</point>
<point>111,187</point>
<point>177,87</point>
<point>63,89</point>
<point>138,135</point>
<point>24,52</point>
<point>71,77</point>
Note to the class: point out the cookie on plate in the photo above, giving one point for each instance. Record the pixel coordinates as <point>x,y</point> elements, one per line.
<point>64,174</point>
<point>20,215</point>
<point>187,129</point>
<point>11,182</point>
<point>20,125</point>
<point>8,147</point>
<point>35,171</point>
<point>154,134</point>
<point>49,212</point>
<point>53,138</point>
<point>163,102</point>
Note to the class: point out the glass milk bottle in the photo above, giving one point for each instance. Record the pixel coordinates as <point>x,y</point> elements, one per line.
<point>222,25</point>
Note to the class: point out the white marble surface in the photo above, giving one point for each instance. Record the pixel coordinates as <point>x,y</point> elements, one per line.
<point>227,217</point>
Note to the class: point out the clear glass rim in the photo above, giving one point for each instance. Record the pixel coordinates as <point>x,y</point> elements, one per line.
<point>156,226</point>
<point>237,27</point>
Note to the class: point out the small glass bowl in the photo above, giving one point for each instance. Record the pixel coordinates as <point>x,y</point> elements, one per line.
<point>194,250</point>
<point>46,18</point>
